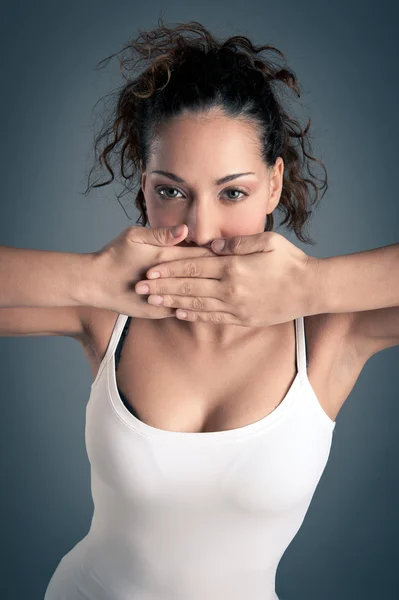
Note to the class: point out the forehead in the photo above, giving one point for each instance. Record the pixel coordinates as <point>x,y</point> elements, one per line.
<point>213,137</point>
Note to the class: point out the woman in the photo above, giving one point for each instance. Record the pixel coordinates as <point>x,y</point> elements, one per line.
<point>206,440</point>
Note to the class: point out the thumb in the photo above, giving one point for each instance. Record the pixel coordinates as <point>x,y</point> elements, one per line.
<point>166,236</point>
<point>242,244</point>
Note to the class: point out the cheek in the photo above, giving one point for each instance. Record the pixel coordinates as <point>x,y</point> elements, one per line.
<point>159,216</point>
<point>247,222</point>
<point>162,210</point>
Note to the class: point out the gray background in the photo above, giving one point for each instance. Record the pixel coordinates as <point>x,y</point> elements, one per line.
<point>345,55</point>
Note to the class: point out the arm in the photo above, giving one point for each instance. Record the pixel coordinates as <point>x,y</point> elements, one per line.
<point>42,278</point>
<point>367,284</point>
<point>44,293</point>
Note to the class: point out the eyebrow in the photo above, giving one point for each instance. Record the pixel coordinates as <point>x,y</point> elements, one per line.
<point>220,181</point>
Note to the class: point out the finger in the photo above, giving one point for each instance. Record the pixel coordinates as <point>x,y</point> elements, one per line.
<point>197,304</point>
<point>218,318</point>
<point>158,312</point>
<point>205,267</point>
<point>187,252</point>
<point>181,287</point>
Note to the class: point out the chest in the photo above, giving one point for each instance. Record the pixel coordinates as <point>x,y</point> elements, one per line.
<point>173,388</point>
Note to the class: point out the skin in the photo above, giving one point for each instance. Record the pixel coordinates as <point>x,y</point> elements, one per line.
<point>201,148</point>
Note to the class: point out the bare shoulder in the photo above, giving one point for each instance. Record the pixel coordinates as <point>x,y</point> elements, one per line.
<point>327,330</point>
<point>334,360</point>
<point>319,329</point>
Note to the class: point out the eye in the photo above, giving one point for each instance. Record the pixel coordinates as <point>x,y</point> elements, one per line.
<point>236,190</point>
<point>161,189</point>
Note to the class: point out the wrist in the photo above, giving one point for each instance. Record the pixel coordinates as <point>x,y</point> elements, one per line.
<point>86,285</point>
<point>316,288</point>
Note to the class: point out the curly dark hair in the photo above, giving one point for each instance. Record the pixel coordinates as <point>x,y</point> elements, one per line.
<point>197,74</point>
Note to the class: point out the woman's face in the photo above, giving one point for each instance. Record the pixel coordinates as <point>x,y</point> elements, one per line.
<point>195,152</point>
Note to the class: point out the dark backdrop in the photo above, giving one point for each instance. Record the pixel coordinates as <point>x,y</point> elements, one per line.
<point>345,55</point>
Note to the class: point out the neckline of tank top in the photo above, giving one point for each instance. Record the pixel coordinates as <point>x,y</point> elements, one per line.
<point>300,384</point>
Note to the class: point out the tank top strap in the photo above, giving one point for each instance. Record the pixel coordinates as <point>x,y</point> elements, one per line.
<point>301,355</point>
<point>112,343</point>
<point>115,337</point>
<point>121,328</point>
<point>122,336</point>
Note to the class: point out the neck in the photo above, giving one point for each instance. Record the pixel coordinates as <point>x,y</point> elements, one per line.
<point>210,336</point>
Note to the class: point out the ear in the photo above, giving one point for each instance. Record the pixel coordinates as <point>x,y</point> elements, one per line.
<point>276,184</point>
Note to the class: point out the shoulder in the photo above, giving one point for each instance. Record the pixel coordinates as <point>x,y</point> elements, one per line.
<point>99,323</point>
<point>324,333</point>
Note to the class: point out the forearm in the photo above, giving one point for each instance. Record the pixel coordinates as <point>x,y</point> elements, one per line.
<point>356,282</point>
<point>43,278</point>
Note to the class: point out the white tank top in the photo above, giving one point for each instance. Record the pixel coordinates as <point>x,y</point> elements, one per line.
<point>193,516</point>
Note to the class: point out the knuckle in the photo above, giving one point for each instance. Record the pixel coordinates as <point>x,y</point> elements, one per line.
<point>216,318</point>
<point>166,269</point>
<point>160,287</point>
<point>233,291</point>
<point>230,291</point>
<point>191,269</point>
<point>187,288</point>
<point>235,243</point>
<point>276,238</point>
<point>128,233</point>
<point>197,303</point>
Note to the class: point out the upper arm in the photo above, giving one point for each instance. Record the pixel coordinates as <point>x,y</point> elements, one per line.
<point>375,330</point>
<point>70,321</point>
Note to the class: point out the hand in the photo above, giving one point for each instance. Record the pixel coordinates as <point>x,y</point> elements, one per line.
<point>118,266</point>
<point>264,280</point>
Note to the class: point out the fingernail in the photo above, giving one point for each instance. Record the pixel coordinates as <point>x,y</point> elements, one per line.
<point>142,289</point>
<point>176,231</point>
<point>219,244</point>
